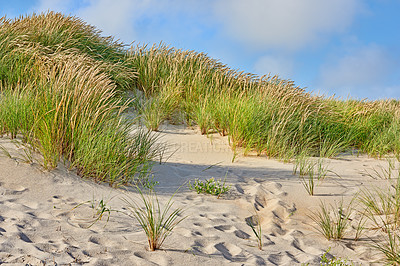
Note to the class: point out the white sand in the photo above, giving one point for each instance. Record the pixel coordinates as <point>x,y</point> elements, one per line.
<point>39,227</point>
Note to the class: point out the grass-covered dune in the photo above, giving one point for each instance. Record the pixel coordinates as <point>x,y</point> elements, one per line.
<point>266,114</point>
<point>63,87</point>
<point>60,82</point>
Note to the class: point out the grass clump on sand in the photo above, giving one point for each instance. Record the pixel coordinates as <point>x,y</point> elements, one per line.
<point>156,221</point>
<point>334,221</point>
<point>311,172</point>
<point>255,224</point>
<point>382,210</point>
<point>60,85</point>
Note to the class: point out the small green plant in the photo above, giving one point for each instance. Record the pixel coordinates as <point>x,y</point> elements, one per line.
<point>311,172</point>
<point>383,172</point>
<point>100,208</point>
<point>334,221</point>
<point>334,261</point>
<point>255,224</point>
<point>148,182</point>
<point>209,186</point>
<point>157,222</point>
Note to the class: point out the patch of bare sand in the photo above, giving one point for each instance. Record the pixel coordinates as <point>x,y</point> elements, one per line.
<point>38,225</point>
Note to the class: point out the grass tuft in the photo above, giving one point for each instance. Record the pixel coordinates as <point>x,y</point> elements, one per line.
<point>156,221</point>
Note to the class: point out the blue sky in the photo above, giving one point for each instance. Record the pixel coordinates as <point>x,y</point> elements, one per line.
<point>331,47</point>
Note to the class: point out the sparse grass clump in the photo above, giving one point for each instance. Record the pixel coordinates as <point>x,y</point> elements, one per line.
<point>382,210</point>
<point>311,172</point>
<point>333,221</point>
<point>209,186</point>
<point>156,221</point>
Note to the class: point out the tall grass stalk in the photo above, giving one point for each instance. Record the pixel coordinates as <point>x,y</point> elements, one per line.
<point>333,221</point>
<point>156,221</point>
<point>311,172</point>
<point>255,224</point>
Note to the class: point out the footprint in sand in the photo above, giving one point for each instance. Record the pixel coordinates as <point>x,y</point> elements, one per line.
<point>231,252</point>
<point>16,191</point>
<point>152,258</point>
<point>241,234</point>
<point>225,228</point>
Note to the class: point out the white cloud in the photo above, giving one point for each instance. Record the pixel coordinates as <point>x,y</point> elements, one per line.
<point>289,24</point>
<point>114,17</point>
<point>131,20</point>
<point>362,67</point>
<point>363,72</point>
<point>275,65</point>
<point>53,5</point>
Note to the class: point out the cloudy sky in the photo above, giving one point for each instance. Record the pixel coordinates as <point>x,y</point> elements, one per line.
<point>340,47</point>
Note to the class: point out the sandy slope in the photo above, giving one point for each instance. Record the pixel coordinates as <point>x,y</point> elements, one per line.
<point>39,226</point>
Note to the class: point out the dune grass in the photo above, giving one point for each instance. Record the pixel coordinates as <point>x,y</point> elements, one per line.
<point>333,221</point>
<point>60,89</point>
<point>77,78</point>
<point>255,224</point>
<point>378,212</point>
<point>157,221</point>
<point>264,114</point>
<point>311,172</point>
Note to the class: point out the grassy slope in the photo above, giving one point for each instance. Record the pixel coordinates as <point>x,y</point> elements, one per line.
<point>60,81</point>
<point>265,114</point>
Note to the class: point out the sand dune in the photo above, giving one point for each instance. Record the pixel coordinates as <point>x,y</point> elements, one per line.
<point>39,225</point>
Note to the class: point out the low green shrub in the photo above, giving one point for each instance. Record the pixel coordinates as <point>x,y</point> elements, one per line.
<point>209,186</point>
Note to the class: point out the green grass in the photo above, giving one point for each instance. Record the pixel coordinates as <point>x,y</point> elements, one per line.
<point>333,221</point>
<point>60,86</point>
<point>156,221</point>
<point>311,172</point>
<point>255,224</point>
<point>264,114</point>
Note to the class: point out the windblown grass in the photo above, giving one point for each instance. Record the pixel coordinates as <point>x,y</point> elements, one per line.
<point>269,115</point>
<point>382,210</point>
<point>311,172</point>
<point>264,114</point>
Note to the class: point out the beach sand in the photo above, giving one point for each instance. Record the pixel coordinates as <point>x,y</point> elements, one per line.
<point>39,224</point>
